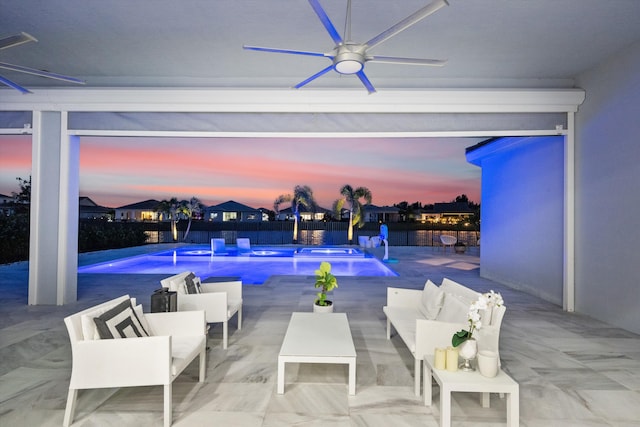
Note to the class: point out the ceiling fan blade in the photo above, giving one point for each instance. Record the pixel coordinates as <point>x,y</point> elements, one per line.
<point>290,51</point>
<point>16,40</point>
<point>13,85</point>
<point>409,61</point>
<point>328,25</point>
<point>407,22</point>
<point>40,73</point>
<point>365,81</point>
<point>315,76</point>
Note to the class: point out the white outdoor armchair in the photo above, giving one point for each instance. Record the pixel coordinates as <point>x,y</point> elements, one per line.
<point>447,241</point>
<point>220,300</point>
<point>175,340</point>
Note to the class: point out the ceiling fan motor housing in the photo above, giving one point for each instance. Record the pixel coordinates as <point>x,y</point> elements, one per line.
<point>349,59</point>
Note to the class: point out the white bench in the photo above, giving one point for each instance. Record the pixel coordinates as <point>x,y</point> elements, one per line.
<point>428,318</point>
<point>169,343</point>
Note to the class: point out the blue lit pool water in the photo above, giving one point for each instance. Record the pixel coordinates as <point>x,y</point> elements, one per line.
<point>253,267</point>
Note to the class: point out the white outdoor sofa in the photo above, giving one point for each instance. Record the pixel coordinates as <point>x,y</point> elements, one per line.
<point>428,318</point>
<point>220,300</point>
<point>174,341</point>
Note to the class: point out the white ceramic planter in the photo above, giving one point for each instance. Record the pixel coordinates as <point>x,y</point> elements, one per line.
<point>323,308</point>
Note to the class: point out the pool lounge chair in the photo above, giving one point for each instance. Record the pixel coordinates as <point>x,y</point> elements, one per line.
<point>218,247</point>
<point>244,245</point>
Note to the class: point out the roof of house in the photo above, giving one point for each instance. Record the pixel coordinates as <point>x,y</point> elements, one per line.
<point>86,201</point>
<point>381,209</point>
<point>450,208</point>
<point>147,204</point>
<point>231,206</point>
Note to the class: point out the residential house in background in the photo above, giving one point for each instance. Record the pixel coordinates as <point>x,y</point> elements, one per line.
<point>381,214</point>
<point>305,214</point>
<point>6,205</point>
<point>141,211</point>
<point>88,209</point>
<point>232,211</point>
<point>447,213</point>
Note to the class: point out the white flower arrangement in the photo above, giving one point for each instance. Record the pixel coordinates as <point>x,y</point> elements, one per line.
<point>485,301</point>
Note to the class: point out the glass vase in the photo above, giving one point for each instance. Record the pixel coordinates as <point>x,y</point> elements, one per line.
<point>468,351</point>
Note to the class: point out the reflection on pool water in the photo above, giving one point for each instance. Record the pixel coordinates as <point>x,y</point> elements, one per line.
<point>253,267</point>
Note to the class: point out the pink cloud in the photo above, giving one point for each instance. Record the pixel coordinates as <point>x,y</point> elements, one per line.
<point>118,171</point>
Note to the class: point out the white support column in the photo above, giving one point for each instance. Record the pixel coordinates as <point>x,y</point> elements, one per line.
<point>568,287</point>
<point>53,245</point>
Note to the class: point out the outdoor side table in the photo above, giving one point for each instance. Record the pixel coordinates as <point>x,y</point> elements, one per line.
<point>450,382</point>
<point>318,338</point>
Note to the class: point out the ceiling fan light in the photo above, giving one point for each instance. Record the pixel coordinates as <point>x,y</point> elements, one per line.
<point>348,66</point>
<point>347,62</point>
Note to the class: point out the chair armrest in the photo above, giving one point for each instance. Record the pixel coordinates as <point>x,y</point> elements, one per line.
<point>232,288</point>
<point>433,333</point>
<point>121,362</point>
<point>177,323</point>
<point>400,297</point>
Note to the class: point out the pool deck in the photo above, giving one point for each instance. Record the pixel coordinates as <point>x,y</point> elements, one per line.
<point>572,370</point>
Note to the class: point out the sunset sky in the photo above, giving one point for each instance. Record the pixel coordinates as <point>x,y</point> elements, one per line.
<point>254,171</point>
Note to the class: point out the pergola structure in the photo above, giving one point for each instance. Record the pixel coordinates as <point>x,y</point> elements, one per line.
<point>57,119</point>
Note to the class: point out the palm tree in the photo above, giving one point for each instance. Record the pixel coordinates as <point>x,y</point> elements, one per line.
<point>169,209</point>
<point>356,208</point>
<point>302,196</point>
<point>189,208</point>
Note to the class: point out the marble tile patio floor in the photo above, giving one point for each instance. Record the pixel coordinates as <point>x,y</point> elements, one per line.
<point>572,370</point>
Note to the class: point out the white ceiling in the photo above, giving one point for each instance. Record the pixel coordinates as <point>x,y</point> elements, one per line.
<point>198,43</point>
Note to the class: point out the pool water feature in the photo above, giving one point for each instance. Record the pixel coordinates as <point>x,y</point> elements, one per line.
<point>253,267</point>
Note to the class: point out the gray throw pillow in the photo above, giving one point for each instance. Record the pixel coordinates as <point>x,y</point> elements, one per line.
<point>120,321</point>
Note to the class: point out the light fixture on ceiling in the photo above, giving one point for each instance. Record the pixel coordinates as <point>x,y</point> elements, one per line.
<point>348,57</point>
<point>347,61</point>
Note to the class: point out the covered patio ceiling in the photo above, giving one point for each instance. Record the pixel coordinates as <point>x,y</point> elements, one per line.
<point>198,43</point>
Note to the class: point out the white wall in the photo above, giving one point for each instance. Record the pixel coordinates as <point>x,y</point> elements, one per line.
<point>608,192</point>
<point>522,213</point>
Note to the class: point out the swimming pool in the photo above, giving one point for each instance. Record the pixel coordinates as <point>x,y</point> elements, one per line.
<point>253,267</point>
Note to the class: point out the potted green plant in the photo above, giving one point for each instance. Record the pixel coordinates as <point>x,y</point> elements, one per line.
<point>326,282</point>
<point>459,247</point>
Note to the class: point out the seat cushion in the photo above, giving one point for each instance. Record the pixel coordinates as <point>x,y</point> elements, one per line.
<point>403,320</point>
<point>184,349</point>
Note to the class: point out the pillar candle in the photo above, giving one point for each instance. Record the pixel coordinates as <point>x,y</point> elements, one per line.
<point>440,358</point>
<point>452,359</point>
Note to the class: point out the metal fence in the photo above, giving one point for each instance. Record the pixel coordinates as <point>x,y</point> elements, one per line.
<point>309,233</point>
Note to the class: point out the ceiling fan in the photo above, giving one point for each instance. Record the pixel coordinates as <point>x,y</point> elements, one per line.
<point>19,39</point>
<point>348,57</point>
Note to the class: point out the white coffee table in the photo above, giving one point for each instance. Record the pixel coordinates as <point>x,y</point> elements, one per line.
<point>470,382</point>
<point>318,338</point>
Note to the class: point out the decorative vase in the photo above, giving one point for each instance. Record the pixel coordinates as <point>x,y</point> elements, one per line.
<point>468,351</point>
<point>323,308</point>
